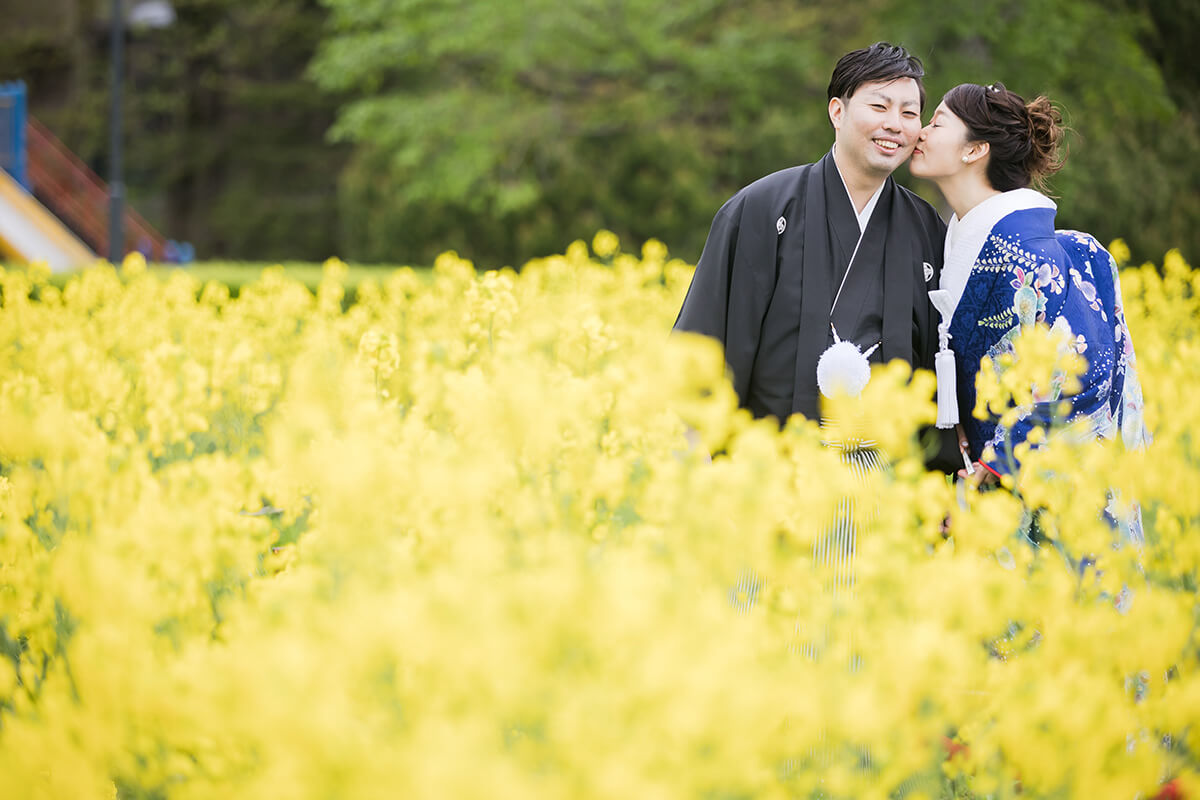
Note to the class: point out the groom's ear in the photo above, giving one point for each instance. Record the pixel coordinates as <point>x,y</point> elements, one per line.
<point>837,110</point>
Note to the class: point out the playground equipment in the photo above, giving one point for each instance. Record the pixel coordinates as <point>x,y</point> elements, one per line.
<point>28,232</point>
<point>53,207</point>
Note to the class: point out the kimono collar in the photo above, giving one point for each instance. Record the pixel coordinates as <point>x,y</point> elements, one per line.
<point>966,237</point>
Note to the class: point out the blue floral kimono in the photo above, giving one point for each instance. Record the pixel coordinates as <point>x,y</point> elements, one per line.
<point>1006,268</point>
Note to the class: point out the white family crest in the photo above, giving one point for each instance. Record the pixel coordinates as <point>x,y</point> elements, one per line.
<point>928,271</point>
<point>780,225</point>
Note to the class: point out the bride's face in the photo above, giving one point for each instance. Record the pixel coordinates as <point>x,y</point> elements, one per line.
<point>941,146</point>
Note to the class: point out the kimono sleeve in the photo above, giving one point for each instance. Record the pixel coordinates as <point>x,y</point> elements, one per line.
<point>1000,453</point>
<point>728,295</point>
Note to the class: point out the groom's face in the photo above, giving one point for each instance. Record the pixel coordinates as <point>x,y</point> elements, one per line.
<point>877,126</point>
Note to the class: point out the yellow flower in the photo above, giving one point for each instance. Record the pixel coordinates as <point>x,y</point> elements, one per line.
<point>605,244</point>
<point>268,544</point>
<point>1119,251</point>
<point>134,265</point>
<point>654,251</point>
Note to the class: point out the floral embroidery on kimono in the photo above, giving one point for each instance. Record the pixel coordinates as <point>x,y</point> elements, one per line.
<point>1012,269</point>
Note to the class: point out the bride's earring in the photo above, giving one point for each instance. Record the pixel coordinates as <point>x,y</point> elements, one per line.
<point>965,159</point>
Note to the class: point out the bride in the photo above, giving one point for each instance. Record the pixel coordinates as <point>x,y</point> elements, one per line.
<point>1007,268</point>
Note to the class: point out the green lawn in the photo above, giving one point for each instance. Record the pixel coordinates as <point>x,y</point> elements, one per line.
<point>236,274</point>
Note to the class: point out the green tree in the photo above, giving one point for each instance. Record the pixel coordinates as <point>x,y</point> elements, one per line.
<point>1132,159</point>
<point>225,137</point>
<point>506,130</point>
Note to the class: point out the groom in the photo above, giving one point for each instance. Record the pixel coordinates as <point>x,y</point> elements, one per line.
<point>831,245</point>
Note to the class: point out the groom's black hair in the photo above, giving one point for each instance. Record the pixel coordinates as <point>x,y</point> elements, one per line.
<point>881,62</point>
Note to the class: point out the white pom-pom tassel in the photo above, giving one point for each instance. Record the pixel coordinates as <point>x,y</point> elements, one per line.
<point>943,362</point>
<point>843,369</point>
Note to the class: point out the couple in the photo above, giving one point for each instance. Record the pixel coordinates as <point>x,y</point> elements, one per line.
<point>837,252</point>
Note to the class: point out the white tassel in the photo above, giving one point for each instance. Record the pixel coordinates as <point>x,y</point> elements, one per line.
<point>943,362</point>
<point>947,383</point>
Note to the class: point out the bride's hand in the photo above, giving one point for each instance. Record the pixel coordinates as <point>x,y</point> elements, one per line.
<point>975,473</point>
<point>978,476</point>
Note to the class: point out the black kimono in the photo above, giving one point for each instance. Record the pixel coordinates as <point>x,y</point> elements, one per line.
<point>776,254</point>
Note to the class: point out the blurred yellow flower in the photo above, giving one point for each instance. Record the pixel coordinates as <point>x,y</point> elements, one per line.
<point>605,244</point>
<point>286,545</point>
<point>1119,251</point>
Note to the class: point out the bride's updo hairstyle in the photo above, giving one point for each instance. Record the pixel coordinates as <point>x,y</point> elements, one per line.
<point>1024,137</point>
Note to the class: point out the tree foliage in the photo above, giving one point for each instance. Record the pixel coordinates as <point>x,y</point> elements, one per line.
<point>1132,144</point>
<point>513,128</point>
<point>508,129</point>
<point>224,136</point>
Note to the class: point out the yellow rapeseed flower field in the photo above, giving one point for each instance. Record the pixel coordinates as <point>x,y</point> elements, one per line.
<point>464,538</point>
